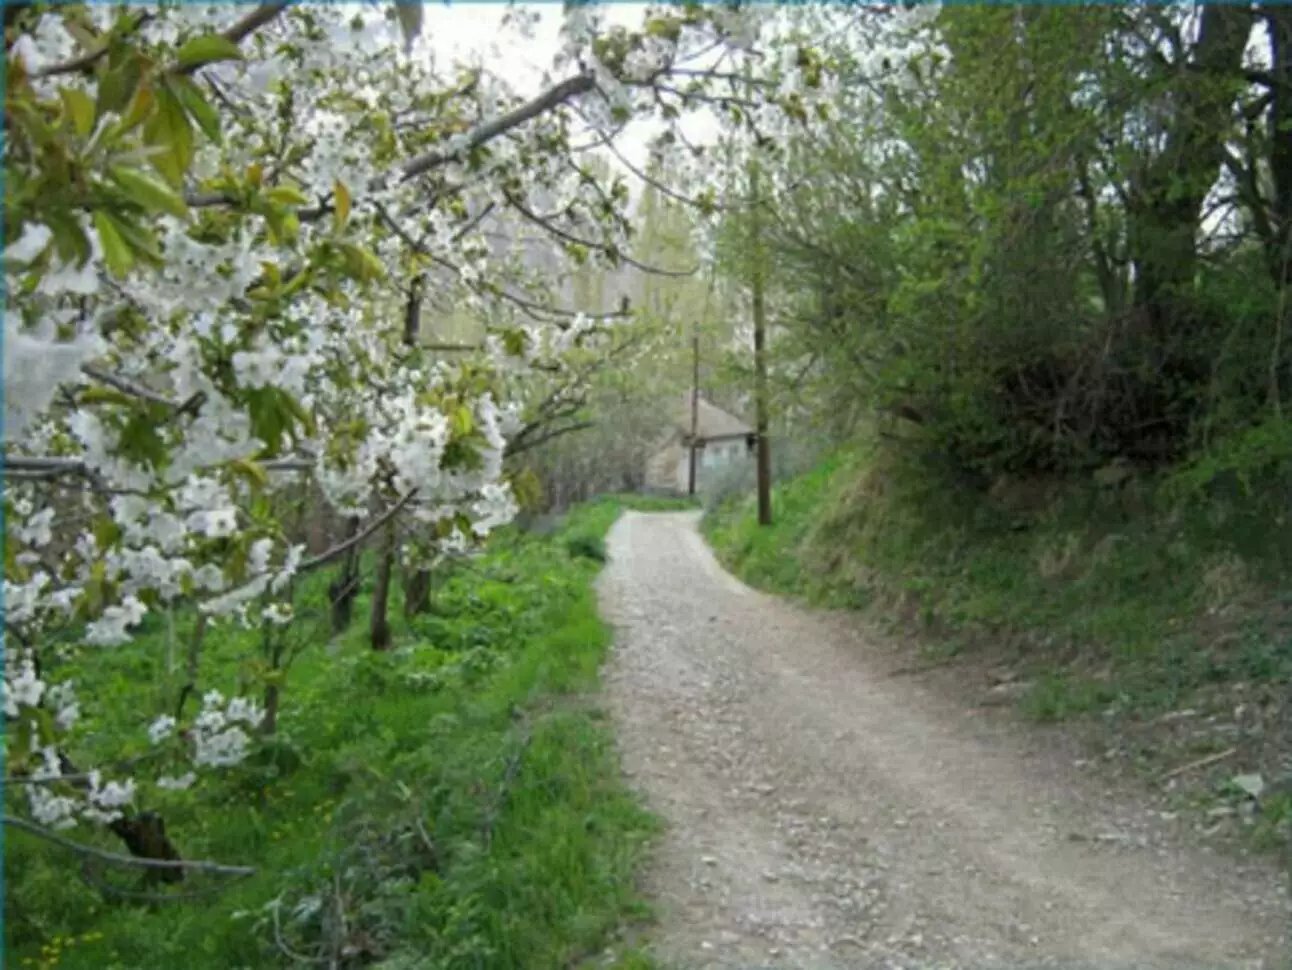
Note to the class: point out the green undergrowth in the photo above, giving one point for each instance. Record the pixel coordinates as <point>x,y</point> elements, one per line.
<point>452,803</point>
<point>1106,599</point>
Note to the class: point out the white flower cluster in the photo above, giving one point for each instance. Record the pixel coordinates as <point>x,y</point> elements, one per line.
<point>219,740</point>
<point>22,687</point>
<point>95,801</point>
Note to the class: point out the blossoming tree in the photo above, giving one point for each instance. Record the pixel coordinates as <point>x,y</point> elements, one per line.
<point>222,225</point>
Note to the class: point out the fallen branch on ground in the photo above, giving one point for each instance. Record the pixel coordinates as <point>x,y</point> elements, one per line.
<point>1200,763</point>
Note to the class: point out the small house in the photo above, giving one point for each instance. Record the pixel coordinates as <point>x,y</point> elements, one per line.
<point>722,441</point>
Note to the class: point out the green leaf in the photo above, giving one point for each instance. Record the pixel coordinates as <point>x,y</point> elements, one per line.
<point>149,192</point>
<point>250,470</point>
<point>118,83</point>
<point>105,395</point>
<point>207,49</point>
<point>80,108</point>
<point>463,421</point>
<point>115,251</point>
<point>139,440</point>
<point>140,107</point>
<point>69,237</point>
<point>342,215</point>
<point>269,418</point>
<point>303,417</point>
<point>198,108</point>
<point>140,240</point>
<point>169,132</point>
<point>287,195</point>
<point>514,341</point>
<point>362,264</point>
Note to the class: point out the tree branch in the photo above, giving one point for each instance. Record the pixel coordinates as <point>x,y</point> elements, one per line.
<point>533,443</point>
<point>237,33</point>
<point>117,858</point>
<point>90,58</point>
<point>41,466</point>
<point>127,387</point>
<point>341,548</point>
<point>560,233</point>
<point>254,21</point>
<point>549,99</point>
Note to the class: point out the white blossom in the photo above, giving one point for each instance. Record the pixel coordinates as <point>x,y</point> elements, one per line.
<point>50,809</point>
<point>182,783</point>
<point>23,688</point>
<point>67,709</point>
<point>112,628</point>
<point>161,729</point>
<point>279,614</point>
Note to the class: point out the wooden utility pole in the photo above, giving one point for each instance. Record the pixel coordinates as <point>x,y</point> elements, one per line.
<point>760,348</point>
<point>695,407</point>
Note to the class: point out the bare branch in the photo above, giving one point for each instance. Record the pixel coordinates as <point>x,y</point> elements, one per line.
<point>117,858</point>
<point>90,58</point>
<point>560,233</point>
<point>341,548</point>
<point>105,887</point>
<point>549,99</point>
<point>41,466</point>
<point>237,33</point>
<point>532,443</point>
<point>249,24</point>
<point>127,386</point>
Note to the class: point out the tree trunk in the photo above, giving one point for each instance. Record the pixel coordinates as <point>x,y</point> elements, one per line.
<point>764,470</point>
<point>269,726</point>
<point>379,626</point>
<point>417,592</point>
<point>145,837</point>
<point>191,666</point>
<point>343,590</point>
<point>1280,137</point>
<point>1166,205</point>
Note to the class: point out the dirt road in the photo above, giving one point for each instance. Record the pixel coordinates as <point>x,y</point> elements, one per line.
<point>824,814</point>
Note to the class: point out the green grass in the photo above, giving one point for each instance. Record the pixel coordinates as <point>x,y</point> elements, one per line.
<point>455,801</point>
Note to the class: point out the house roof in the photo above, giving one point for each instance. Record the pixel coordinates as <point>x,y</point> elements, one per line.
<point>711,421</point>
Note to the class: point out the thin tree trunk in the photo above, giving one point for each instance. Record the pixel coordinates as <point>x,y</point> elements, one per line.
<point>194,658</point>
<point>1167,204</point>
<point>695,413</point>
<point>344,589</point>
<point>379,626</point>
<point>760,353</point>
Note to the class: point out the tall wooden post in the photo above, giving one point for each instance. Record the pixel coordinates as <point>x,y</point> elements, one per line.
<point>760,349</point>
<point>695,409</point>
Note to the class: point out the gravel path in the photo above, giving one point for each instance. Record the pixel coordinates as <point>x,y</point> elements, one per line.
<point>824,814</point>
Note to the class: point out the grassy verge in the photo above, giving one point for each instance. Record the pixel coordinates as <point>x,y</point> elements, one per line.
<point>1074,601</point>
<point>453,803</point>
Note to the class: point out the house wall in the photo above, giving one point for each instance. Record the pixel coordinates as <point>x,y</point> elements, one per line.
<point>712,461</point>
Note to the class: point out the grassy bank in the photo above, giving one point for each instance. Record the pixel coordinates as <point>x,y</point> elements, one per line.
<point>1072,599</point>
<point>454,802</point>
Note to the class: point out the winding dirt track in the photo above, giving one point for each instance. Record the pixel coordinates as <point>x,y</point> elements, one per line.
<point>823,814</point>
